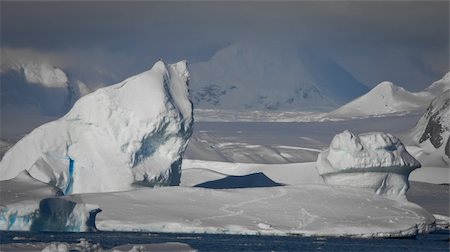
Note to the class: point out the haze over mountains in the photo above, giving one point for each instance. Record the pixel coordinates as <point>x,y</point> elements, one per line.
<point>240,77</point>
<point>275,77</point>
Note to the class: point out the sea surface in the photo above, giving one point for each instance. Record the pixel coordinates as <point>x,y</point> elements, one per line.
<point>436,241</point>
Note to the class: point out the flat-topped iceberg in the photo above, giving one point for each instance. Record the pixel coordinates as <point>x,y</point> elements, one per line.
<point>310,210</point>
<point>375,161</point>
<point>114,139</point>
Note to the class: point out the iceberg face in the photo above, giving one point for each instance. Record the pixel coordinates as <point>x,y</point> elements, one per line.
<point>30,205</point>
<point>129,134</point>
<point>375,161</point>
<point>50,214</point>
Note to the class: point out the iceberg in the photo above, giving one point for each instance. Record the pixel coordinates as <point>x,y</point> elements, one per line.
<point>30,205</point>
<point>308,210</point>
<point>117,138</point>
<point>375,161</point>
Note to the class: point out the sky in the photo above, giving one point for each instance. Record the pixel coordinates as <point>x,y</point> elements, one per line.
<point>406,42</point>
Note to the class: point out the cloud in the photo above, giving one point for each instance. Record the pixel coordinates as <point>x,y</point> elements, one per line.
<point>38,68</point>
<point>105,42</point>
<point>57,68</point>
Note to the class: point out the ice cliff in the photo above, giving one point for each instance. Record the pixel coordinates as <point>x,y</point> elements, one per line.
<point>116,138</point>
<point>375,161</point>
<point>30,205</point>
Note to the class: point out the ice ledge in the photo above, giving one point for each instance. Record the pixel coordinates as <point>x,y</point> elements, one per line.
<point>313,210</point>
<point>50,214</point>
<point>30,205</point>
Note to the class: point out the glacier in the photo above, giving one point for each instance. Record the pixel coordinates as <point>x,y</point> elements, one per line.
<point>117,138</point>
<point>375,161</point>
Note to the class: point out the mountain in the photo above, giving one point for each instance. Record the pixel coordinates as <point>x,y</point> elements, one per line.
<point>116,138</point>
<point>432,132</point>
<point>271,77</point>
<point>387,98</point>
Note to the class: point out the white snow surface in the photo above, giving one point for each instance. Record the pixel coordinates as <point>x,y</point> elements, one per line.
<point>128,134</point>
<point>283,210</point>
<point>376,161</point>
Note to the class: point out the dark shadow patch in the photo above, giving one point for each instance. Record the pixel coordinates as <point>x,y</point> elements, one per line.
<point>56,215</point>
<point>247,181</point>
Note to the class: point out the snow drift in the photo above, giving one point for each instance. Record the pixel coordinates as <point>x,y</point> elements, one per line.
<point>129,134</point>
<point>376,161</point>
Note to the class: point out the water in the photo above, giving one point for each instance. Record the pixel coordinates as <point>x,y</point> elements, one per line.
<point>436,241</point>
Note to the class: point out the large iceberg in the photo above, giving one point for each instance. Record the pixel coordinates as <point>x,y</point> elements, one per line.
<point>376,161</point>
<point>309,210</point>
<point>116,138</point>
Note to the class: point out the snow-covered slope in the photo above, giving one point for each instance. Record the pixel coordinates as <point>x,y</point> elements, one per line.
<point>387,98</point>
<point>271,77</point>
<point>439,86</point>
<point>375,161</point>
<point>432,133</point>
<point>129,134</point>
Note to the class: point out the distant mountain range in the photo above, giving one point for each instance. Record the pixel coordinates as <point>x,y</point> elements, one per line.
<point>242,76</point>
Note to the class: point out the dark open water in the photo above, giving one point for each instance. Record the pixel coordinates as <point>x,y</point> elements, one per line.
<point>436,241</point>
